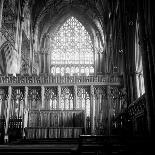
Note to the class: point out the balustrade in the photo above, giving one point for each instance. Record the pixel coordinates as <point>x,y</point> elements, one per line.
<point>137,107</point>
<point>131,120</point>
<point>137,115</point>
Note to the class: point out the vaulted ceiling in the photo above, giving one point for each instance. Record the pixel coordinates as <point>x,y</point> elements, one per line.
<point>42,7</point>
<point>48,14</point>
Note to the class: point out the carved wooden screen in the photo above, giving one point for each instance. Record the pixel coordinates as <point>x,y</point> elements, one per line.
<point>17,102</point>
<point>101,109</point>
<point>83,103</point>
<point>83,100</point>
<point>51,98</point>
<point>72,49</point>
<point>3,102</point>
<point>34,104</point>
<point>34,98</point>
<point>117,102</point>
<point>67,99</point>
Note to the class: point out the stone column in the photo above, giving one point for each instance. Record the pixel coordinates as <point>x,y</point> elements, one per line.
<point>18,40</point>
<point>96,62</point>
<point>109,108</point>
<point>92,110</point>
<point>75,97</point>
<point>148,70</point>
<point>43,97</point>
<point>6,138</point>
<point>1,12</point>
<point>59,97</point>
<point>44,60</point>
<point>25,117</point>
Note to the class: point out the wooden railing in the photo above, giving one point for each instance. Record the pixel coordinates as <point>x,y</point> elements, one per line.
<point>53,132</point>
<point>132,120</point>
<point>138,107</point>
<point>56,118</point>
<point>138,117</point>
<point>55,124</point>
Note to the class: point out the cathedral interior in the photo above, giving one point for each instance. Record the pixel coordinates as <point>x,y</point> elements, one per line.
<point>77,76</point>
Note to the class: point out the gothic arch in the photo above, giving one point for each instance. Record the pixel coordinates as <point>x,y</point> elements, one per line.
<point>4,56</point>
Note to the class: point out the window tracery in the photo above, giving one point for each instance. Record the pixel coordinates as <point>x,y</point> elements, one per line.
<point>34,98</point>
<point>67,98</point>
<point>83,100</point>
<point>72,50</point>
<point>51,98</point>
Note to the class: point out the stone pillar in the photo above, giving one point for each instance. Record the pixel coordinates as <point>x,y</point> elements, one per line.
<point>75,97</point>
<point>96,62</point>
<point>1,12</point>
<point>43,97</point>
<point>59,97</point>
<point>109,108</point>
<point>6,138</point>
<point>92,110</point>
<point>148,71</point>
<point>1,100</point>
<point>25,117</point>
<point>44,60</point>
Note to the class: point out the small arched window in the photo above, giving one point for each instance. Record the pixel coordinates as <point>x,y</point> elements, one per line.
<point>72,50</point>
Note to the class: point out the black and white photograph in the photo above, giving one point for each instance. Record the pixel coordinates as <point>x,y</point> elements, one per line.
<point>77,77</point>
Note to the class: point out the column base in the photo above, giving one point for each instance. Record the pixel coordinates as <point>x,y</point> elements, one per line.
<point>6,139</point>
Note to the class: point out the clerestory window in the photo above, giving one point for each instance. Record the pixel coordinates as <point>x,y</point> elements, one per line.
<point>72,50</point>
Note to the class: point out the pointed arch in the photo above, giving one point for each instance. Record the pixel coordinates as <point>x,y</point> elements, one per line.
<point>5,56</point>
<point>71,49</point>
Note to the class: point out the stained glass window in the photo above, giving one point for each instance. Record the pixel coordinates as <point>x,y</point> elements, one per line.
<point>72,50</point>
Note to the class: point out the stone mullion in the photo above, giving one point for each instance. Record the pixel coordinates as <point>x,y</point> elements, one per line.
<point>7,114</point>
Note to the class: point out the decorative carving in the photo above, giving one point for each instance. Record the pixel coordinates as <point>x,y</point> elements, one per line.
<point>34,98</point>
<point>72,45</point>
<point>50,79</point>
<point>138,107</point>
<point>51,98</point>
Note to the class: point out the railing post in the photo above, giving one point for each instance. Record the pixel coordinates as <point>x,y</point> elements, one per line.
<point>6,138</point>
<point>59,97</point>
<point>92,110</point>
<point>43,97</point>
<point>25,117</point>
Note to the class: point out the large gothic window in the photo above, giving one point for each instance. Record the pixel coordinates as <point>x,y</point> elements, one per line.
<point>72,50</point>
